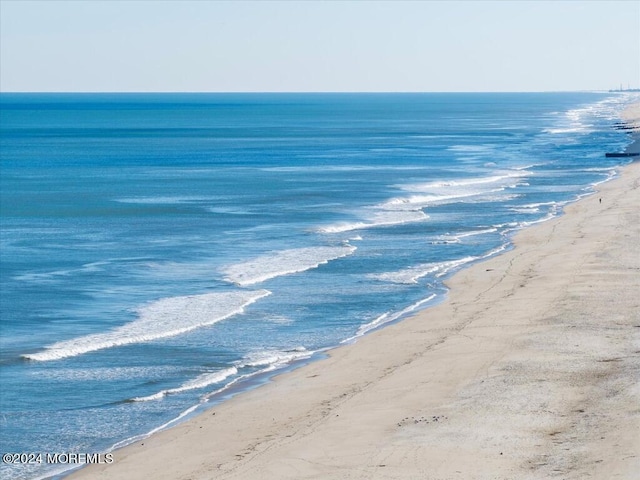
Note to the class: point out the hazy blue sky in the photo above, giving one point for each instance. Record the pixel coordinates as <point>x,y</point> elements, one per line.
<point>318,46</point>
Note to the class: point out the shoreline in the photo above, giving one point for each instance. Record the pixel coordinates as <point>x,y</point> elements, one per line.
<point>478,386</point>
<point>631,120</point>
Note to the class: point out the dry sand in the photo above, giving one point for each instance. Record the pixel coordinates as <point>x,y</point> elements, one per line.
<point>529,370</point>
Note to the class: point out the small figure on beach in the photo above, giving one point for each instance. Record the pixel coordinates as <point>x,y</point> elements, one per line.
<point>600,200</point>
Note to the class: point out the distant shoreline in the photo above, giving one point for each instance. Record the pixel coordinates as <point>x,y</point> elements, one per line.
<point>631,118</point>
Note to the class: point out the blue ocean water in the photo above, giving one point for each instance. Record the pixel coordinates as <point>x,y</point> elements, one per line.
<point>159,251</point>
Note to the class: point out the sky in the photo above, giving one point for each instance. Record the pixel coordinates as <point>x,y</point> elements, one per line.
<point>313,46</point>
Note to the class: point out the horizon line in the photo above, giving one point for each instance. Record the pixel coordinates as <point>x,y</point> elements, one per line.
<point>275,92</point>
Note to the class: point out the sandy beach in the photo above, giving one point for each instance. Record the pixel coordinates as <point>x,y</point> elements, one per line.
<point>530,369</point>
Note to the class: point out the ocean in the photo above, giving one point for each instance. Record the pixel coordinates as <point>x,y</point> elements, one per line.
<point>163,252</point>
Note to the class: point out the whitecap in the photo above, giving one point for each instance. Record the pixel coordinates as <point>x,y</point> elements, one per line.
<point>284,262</point>
<point>274,358</point>
<point>414,273</point>
<point>457,237</point>
<point>163,318</point>
<point>202,381</point>
<point>464,182</point>
<point>379,218</point>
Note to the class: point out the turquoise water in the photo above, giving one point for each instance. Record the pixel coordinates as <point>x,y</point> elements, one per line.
<point>159,251</point>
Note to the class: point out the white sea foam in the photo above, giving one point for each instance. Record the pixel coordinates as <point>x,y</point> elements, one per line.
<point>465,182</point>
<point>164,318</point>
<point>390,317</point>
<point>271,360</point>
<point>407,276</point>
<point>580,120</point>
<point>529,166</point>
<point>447,191</point>
<point>283,262</point>
<point>412,274</point>
<point>608,170</point>
<point>536,207</point>
<point>579,128</point>
<point>554,210</point>
<point>414,202</point>
<point>409,208</point>
<point>130,440</point>
<point>202,381</point>
<point>495,251</point>
<point>611,175</point>
<point>457,237</point>
<point>525,210</point>
<point>274,358</point>
<point>379,218</point>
